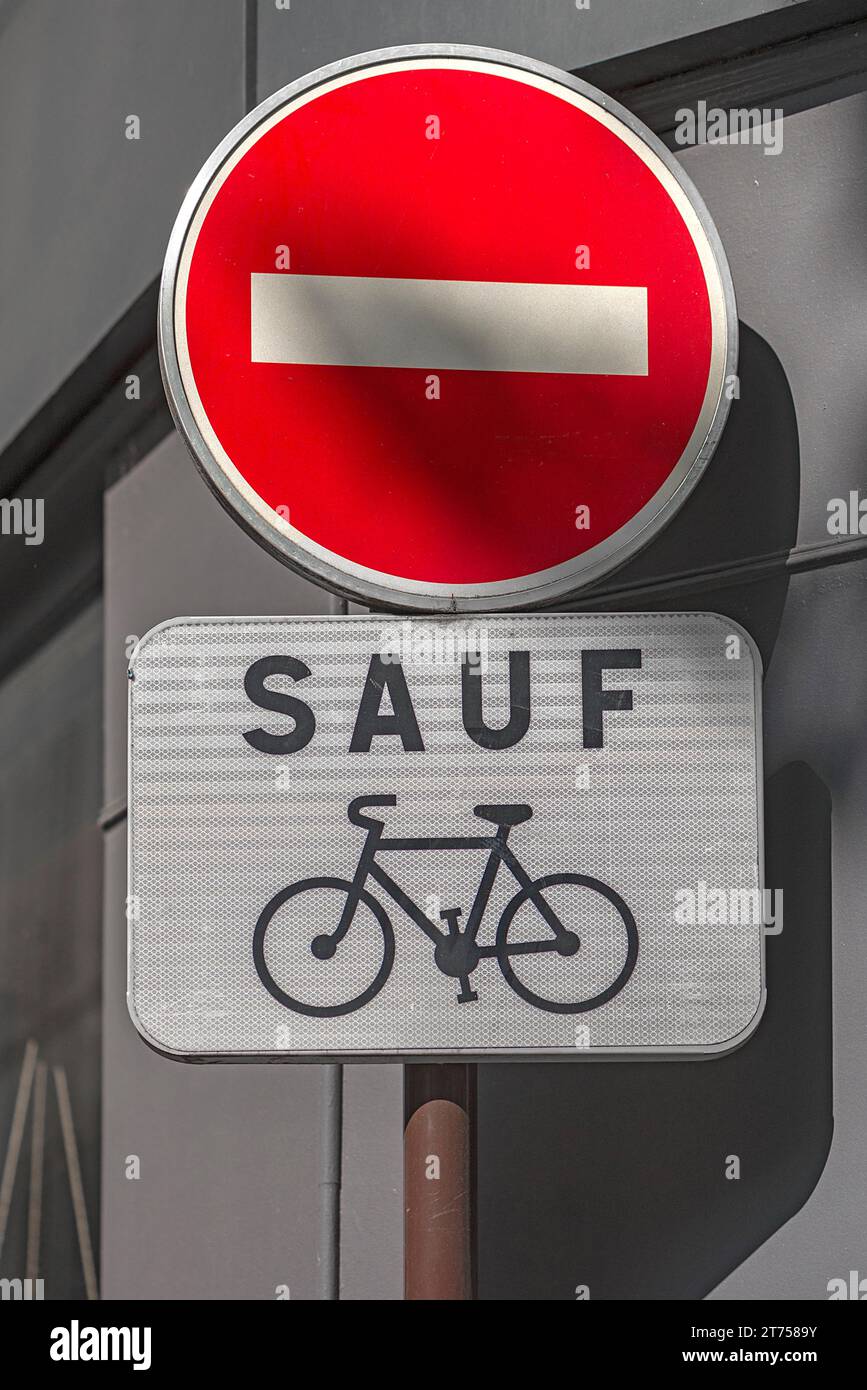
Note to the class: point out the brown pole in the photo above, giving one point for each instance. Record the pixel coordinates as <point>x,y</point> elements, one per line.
<point>439,1181</point>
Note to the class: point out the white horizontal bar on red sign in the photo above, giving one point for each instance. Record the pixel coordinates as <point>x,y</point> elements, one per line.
<point>449,325</point>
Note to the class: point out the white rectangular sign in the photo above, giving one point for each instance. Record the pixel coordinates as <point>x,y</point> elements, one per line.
<point>370,836</point>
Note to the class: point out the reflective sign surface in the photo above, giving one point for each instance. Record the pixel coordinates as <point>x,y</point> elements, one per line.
<point>512,834</point>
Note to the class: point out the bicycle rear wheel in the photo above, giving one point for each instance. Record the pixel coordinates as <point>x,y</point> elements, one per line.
<point>567,981</point>
<point>288,952</point>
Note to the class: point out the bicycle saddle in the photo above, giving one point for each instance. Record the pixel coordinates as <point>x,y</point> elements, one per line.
<point>503,815</point>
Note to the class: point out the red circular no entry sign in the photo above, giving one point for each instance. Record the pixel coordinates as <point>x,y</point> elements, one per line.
<point>446,328</point>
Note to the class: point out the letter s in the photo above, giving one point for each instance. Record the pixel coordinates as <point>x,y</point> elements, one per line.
<point>258,692</point>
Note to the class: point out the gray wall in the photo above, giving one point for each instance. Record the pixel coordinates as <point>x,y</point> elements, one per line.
<point>793,228</point>
<point>313,32</point>
<point>87,212</point>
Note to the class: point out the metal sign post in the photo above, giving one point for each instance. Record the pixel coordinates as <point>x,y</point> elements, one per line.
<point>440,1181</point>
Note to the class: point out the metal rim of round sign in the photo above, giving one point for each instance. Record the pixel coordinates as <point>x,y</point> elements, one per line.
<point>339,573</point>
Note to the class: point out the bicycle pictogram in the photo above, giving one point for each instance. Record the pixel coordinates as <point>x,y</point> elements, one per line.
<point>457,951</point>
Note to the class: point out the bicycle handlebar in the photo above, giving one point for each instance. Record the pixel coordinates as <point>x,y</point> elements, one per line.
<point>355,808</point>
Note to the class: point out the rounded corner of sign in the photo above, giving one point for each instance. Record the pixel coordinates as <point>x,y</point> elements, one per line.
<point>737,629</point>
<point>155,1044</point>
<point>140,1027</point>
<point>151,636</point>
<point>727,1046</point>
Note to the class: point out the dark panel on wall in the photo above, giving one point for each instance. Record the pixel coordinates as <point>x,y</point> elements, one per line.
<point>793,58</point>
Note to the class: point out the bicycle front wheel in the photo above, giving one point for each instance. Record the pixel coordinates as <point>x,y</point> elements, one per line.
<point>300,963</point>
<point>564,977</point>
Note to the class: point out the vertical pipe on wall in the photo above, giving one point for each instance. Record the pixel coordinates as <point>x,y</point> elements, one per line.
<point>251,40</point>
<point>329,1183</point>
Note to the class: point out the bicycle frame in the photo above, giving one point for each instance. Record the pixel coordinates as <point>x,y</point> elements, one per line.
<point>498,853</point>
